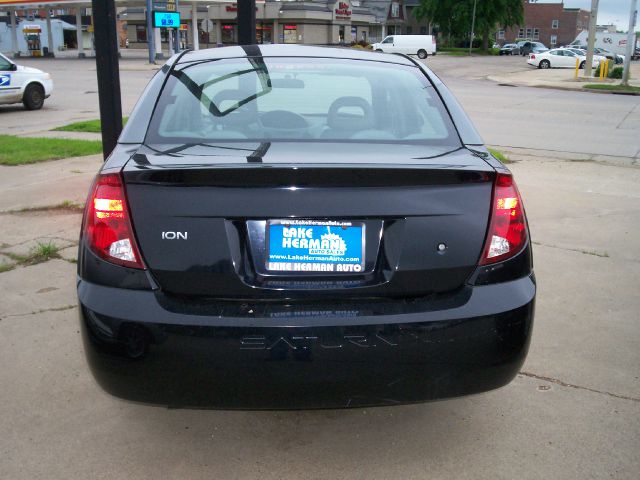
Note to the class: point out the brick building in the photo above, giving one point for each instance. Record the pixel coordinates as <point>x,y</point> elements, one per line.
<point>549,23</point>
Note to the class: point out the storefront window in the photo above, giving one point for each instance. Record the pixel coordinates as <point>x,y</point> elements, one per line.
<point>290,34</point>
<point>264,33</point>
<point>354,34</point>
<point>205,38</point>
<point>228,33</point>
<point>141,33</point>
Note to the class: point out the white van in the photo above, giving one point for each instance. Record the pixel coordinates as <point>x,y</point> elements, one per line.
<point>23,84</point>
<point>614,42</point>
<point>420,45</point>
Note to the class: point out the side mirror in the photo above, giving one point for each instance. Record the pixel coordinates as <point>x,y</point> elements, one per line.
<point>13,67</point>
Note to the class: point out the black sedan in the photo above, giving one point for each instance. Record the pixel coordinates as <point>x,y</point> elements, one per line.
<point>527,48</point>
<point>302,227</point>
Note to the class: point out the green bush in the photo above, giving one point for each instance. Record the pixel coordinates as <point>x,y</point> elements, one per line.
<point>616,72</point>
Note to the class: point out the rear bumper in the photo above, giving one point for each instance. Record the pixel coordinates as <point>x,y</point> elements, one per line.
<point>363,353</point>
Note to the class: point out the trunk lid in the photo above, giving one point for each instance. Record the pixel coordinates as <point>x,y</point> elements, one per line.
<point>210,219</point>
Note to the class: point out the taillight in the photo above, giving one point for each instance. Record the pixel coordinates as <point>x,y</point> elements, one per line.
<point>107,225</point>
<point>507,234</point>
<point>532,56</point>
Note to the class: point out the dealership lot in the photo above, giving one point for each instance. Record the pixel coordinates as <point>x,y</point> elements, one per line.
<point>573,412</point>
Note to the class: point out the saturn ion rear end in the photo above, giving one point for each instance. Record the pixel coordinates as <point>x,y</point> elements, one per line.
<point>301,227</point>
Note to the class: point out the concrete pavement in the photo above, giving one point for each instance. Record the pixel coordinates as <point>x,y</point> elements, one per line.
<point>561,78</point>
<point>574,412</point>
<point>555,121</point>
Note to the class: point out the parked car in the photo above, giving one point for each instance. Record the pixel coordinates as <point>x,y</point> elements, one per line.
<point>262,239</point>
<point>26,85</point>
<point>583,53</point>
<point>617,58</point>
<point>510,49</point>
<point>559,58</point>
<point>532,47</point>
<point>420,45</point>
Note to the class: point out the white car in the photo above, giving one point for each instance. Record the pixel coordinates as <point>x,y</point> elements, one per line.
<point>559,58</point>
<point>26,85</point>
<point>420,45</point>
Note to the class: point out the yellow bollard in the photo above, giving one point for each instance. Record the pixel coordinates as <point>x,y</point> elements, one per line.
<point>601,69</point>
<point>606,68</point>
<point>577,66</point>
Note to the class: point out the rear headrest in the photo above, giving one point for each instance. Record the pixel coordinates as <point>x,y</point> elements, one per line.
<point>338,120</point>
<point>225,99</point>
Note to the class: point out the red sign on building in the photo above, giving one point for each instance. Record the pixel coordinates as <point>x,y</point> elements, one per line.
<point>342,11</point>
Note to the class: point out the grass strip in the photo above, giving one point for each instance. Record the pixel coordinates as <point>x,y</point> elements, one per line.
<point>22,150</point>
<point>612,88</point>
<point>87,126</point>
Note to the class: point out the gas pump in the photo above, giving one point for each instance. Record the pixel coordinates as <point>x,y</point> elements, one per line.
<point>32,36</point>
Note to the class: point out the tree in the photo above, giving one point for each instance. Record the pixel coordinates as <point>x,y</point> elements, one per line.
<point>454,16</point>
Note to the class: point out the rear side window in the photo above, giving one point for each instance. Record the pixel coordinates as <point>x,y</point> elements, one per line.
<point>306,99</point>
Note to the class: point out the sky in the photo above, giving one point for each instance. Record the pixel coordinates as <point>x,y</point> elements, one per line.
<point>609,11</point>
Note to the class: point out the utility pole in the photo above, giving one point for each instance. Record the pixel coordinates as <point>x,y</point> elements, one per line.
<point>151,41</point>
<point>473,26</point>
<point>591,40</point>
<point>631,42</point>
<point>246,22</point>
<point>106,38</point>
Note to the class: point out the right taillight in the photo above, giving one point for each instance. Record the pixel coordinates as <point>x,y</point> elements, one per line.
<point>107,223</point>
<point>507,234</point>
<point>532,56</point>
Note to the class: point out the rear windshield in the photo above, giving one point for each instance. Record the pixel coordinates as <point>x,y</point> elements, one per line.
<point>301,99</point>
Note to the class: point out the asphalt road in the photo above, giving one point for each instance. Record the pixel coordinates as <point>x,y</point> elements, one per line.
<point>540,118</point>
<point>572,413</point>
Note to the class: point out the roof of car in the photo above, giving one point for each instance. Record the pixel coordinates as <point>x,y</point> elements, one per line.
<point>292,51</point>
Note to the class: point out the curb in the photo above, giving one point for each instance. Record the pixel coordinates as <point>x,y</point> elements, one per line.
<point>557,87</point>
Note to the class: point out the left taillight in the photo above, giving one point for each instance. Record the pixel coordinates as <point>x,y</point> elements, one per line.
<point>107,224</point>
<point>507,233</point>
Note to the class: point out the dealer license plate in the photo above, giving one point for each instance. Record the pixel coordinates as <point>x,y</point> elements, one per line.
<point>315,246</point>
